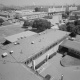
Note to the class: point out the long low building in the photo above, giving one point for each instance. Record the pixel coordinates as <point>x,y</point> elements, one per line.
<point>15,61</point>
<point>33,47</point>
<point>33,15</point>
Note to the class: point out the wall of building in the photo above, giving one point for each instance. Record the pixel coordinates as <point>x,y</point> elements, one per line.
<point>61,9</point>
<point>34,16</point>
<point>72,8</point>
<point>48,51</point>
<point>56,9</point>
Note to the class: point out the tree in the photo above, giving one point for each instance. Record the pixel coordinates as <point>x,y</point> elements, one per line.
<point>77,22</point>
<point>41,24</point>
<point>1,21</point>
<point>27,23</point>
<point>36,9</point>
<point>17,16</point>
<point>70,27</point>
<point>73,34</point>
<point>76,17</point>
<point>63,27</point>
<point>78,29</point>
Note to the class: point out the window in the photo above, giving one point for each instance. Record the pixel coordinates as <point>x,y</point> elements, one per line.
<point>28,62</point>
<point>31,59</point>
<point>36,56</point>
<point>40,53</point>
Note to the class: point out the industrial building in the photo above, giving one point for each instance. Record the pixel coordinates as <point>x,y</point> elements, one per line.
<point>62,9</point>
<point>16,61</point>
<point>32,15</point>
<point>70,47</point>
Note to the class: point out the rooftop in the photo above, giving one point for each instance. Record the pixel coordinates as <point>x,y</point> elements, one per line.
<point>10,69</point>
<point>11,66</point>
<point>75,45</point>
<point>15,37</point>
<point>40,41</point>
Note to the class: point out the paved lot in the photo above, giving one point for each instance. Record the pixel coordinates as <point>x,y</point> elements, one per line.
<point>56,70</point>
<point>70,61</point>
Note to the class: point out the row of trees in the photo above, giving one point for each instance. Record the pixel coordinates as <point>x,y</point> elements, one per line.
<point>39,24</point>
<point>1,21</point>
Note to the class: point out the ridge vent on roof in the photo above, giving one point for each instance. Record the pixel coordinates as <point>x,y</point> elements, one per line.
<point>32,42</point>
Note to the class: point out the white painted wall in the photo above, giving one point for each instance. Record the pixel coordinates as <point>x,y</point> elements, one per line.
<point>51,51</point>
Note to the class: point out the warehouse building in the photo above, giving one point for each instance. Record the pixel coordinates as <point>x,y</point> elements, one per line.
<point>70,47</point>
<point>37,45</point>
<point>31,15</point>
<point>19,61</point>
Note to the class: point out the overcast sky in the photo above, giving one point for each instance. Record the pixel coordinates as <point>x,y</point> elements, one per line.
<point>38,2</point>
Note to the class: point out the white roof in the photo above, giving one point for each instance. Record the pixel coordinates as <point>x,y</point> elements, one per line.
<point>15,37</point>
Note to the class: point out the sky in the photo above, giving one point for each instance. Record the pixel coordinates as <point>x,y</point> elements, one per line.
<point>38,2</point>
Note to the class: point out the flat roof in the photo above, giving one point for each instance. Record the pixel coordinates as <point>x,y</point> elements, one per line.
<point>71,44</point>
<point>25,50</point>
<point>10,69</point>
<point>15,37</point>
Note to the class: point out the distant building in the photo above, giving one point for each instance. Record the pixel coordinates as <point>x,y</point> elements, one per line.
<point>31,15</point>
<point>56,19</point>
<point>57,9</point>
<point>72,8</point>
<point>62,9</point>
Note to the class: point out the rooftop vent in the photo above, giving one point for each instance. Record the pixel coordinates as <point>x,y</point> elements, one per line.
<point>32,42</point>
<point>11,52</point>
<point>40,40</point>
<point>4,55</point>
<point>15,43</point>
<point>21,37</point>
